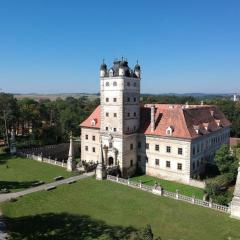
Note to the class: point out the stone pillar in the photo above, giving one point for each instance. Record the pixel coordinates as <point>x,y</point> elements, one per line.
<point>105,155</point>
<point>101,172</point>
<point>70,162</point>
<point>13,149</point>
<point>235,204</point>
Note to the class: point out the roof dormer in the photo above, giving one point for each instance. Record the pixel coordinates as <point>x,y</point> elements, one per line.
<point>169,130</point>
<point>94,122</point>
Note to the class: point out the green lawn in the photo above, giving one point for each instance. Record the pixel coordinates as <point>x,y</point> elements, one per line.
<point>91,209</point>
<point>171,186</point>
<point>20,173</point>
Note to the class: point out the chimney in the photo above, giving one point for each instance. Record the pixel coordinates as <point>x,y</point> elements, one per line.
<point>152,118</point>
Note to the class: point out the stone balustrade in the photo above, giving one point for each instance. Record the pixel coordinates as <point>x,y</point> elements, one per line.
<point>158,190</point>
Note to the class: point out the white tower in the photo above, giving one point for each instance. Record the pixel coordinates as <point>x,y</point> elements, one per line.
<point>120,114</point>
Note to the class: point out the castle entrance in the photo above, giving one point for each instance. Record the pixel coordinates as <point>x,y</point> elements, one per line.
<point>110,161</point>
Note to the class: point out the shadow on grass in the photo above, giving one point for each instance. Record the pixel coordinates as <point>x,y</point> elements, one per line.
<point>4,158</point>
<point>16,185</point>
<point>64,226</point>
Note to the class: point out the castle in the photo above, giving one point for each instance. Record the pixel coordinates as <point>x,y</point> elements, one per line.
<point>169,141</point>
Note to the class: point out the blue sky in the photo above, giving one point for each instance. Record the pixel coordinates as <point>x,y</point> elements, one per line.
<point>52,46</point>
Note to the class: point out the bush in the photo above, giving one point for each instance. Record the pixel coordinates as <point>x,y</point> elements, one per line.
<point>217,188</point>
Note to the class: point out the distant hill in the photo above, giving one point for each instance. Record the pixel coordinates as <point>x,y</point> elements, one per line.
<point>54,96</point>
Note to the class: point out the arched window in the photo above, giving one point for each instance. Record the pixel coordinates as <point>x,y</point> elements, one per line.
<point>107,84</point>
<point>114,84</point>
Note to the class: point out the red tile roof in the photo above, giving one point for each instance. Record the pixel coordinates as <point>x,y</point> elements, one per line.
<point>96,116</point>
<point>185,121</point>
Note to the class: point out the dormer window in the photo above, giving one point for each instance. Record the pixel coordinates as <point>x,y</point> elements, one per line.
<point>110,72</point>
<point>196,128</point>
<point>218,122</point>
<point>169,131</point>
<point>206,126</point>
<point>94,122</point>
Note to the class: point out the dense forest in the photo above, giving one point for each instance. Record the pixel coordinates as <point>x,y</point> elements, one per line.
<point>51,122</point>
<point>44,121</point>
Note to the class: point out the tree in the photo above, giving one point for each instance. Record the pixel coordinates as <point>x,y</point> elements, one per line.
<point>225,160</point>
<point>8,113</point>
<point>145,234</point>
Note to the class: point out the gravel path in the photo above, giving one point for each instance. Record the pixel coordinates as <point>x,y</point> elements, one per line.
<point>8,196</point>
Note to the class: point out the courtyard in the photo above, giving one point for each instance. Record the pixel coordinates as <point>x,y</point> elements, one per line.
<point>91,209</point>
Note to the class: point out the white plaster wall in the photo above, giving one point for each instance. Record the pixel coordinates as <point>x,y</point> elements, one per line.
<point>90,155</point>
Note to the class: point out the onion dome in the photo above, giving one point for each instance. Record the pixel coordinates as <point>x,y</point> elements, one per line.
<point>103,66</point>
<point>137,67</point>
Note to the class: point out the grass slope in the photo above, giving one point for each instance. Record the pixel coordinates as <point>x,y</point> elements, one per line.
<point>89,209</point>
<point>20,173</point>
<point>171,186</point>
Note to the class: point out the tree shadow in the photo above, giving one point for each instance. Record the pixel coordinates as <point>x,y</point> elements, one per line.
<point>16,185</point>
<point>64,226</point>
<point>4,158</point>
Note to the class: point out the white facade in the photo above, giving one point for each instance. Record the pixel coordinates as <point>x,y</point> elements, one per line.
<point>168,157</point>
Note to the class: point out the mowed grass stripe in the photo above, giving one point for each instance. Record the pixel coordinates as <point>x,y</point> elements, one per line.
<point>119,205</point>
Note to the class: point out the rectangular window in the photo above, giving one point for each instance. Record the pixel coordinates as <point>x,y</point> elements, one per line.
<point>114,129</point>
<point>179,166</point>
<point>115,100</point>
<point>139,158</point>
<point>115,115</point>
<point>93,138</point>
<point>157,162</point>
<point>128,99</point>
<point>128,114</point>
<point>157,147</point>
<point>147,146</point>
<point>193,151</point>
<point>86,137</point>
<point>139,145</point>
<point>146,158</point>
<point>107,99</point>
<point>93,149</point>
<point>180,151</point>
<point>193,165</point>
<point>131,146</point>
<point>131,163</point>
<point>134,99</point>
<point>107,114</point>
<point>86,148</point>
<point>106,128</point>
<point>168,149</point>
<point>168,164</point>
